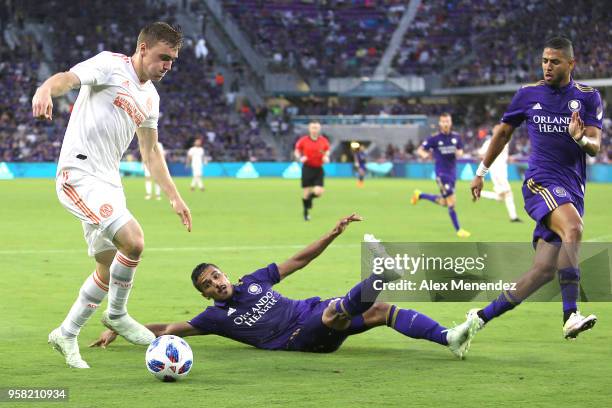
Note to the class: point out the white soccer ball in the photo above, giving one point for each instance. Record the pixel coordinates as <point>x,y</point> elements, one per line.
<point>169,358</point>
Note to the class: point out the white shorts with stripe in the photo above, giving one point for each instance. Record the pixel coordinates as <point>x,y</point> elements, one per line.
<point>100,206</point>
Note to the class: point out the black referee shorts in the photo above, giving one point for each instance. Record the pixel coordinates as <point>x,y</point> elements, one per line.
<point>312,176</point>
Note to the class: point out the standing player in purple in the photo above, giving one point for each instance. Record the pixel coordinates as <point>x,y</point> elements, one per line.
<point>360,160</point>
<point>251,312</point>
<point>564,120</point>
<point>445,146</point>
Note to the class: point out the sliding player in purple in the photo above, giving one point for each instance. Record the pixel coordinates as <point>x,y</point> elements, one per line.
<point>564,120</point>
<point>252,312</point>
<point>445,147</point>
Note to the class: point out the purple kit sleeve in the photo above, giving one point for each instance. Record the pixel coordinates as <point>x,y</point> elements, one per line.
<point>515,114</point>
<point>593,111</point>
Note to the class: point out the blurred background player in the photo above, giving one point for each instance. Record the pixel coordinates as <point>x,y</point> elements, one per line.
<point>312,150</point>
<point>252,312</point>
<point>445,147</point>
<point>196,158</point>
<point>116,99</point>
<point>360,159</point>
<point>564,121</point>
<point>149,182</point>
<point>499,177</point>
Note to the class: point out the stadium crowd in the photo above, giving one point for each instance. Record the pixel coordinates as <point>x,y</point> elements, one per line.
<point>321,38</point>
<point>485,42</point>
<point>194,103</point>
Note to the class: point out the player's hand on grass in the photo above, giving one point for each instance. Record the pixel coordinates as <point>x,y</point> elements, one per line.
<point>42,104</point>
<point>106,338</point>
<point>344,222</point>
<point>476,187</point>
<point>576,127</point>
<point>181,209</point>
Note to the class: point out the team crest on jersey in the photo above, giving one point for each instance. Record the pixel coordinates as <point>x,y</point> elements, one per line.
<point>560,191</point>
<point>254,289</point>
<point>574,105</point>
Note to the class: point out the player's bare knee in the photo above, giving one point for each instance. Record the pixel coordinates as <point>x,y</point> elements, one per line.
<point>331,318</point>
<point>134,247</point>
<point>573,232</point>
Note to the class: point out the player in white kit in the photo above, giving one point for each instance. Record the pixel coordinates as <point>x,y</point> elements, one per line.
<point>149,182</point>
<point>499,176</point>
<point>196,159</point>
<point>116,100</point>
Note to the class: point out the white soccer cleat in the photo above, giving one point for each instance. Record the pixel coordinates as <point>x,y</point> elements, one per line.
<point>577,323</point>
<point>378,250</point>
<point>479,323</point>
<point>68,347</point>
<point>460,337</point>
<point>129,329</point>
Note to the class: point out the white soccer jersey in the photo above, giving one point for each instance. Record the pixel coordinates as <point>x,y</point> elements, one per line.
<point>500,165</point>
<point>111,105</point>
<point>196,155</point>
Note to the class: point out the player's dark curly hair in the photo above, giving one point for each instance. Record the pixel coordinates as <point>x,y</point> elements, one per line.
<point>153,33</point>
<point>561,43</point>
<point>199,270</point>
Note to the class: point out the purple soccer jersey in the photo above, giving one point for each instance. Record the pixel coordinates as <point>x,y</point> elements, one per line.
<point>444,148</point>
<point>555,156</point>
<point>557,165</point>
<point>256,314</point>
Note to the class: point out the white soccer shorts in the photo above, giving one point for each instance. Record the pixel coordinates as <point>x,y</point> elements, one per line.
<point>500,181</point>
<point>196,171</point>
<point>100,206</point>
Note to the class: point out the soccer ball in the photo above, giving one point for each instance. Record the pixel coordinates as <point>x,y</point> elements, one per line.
<point>169,358</point>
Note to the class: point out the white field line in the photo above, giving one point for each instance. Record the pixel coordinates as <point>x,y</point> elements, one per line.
<point>175,249</point>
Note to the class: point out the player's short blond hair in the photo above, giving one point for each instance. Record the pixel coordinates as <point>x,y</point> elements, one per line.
<point>153,33</point>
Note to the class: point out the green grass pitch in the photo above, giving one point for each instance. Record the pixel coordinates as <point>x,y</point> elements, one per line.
<point>520,360</point>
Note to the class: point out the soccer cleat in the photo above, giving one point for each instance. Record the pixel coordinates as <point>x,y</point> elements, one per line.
<point>158,198</point>
<point>378,250</point>
<point>147,197</point>
<point>460,337</point>
<point>577,323</point>
<point>463,233</point>
<point>67,347</point>
<point>473,314</point>
<point>516,220</point>
<point>129,329</point>
<point>415,197</point>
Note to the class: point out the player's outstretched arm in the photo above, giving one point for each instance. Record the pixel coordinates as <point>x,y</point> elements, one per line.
<point>181,329</point>
<point>303,258</point>
<point>501,136</point>
<point>588,137</point>
<point>57,85</point>
<point>154,159</point>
